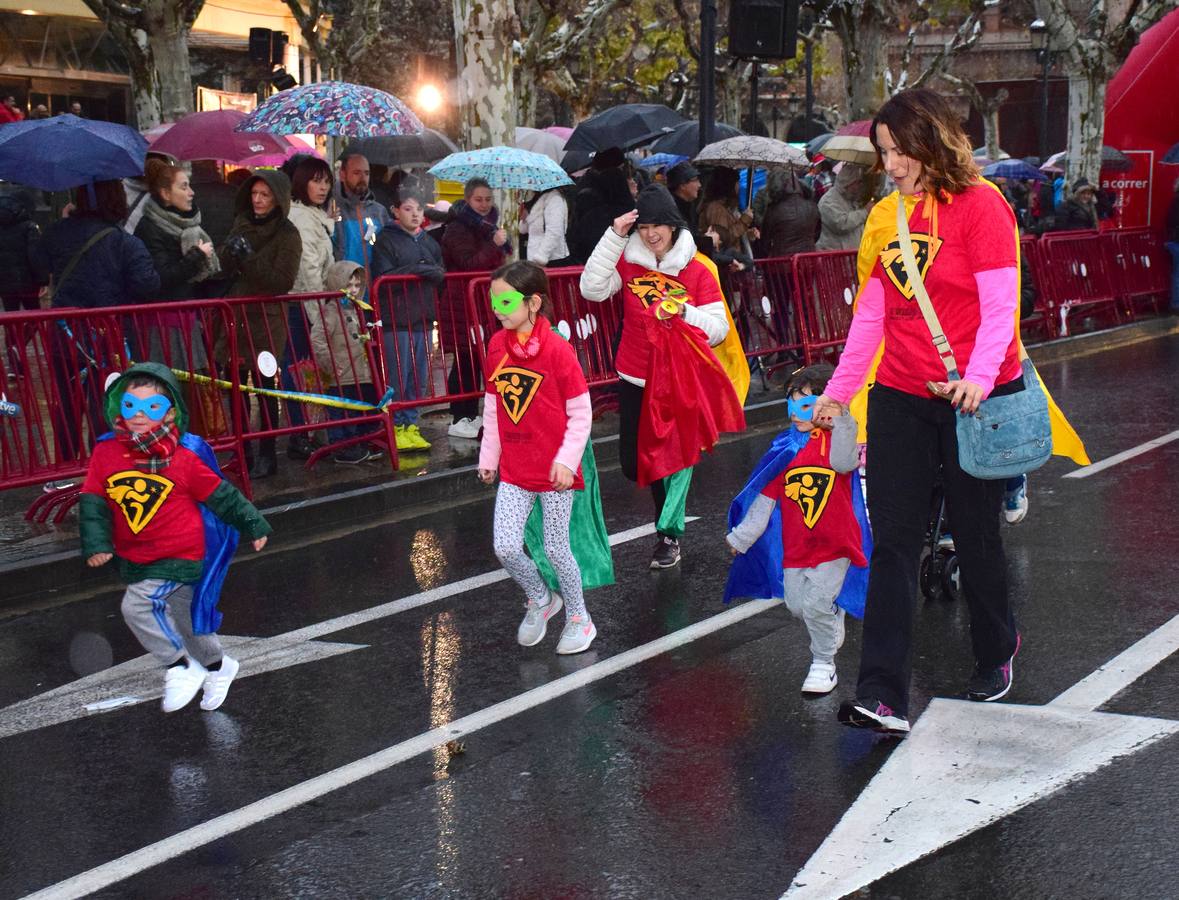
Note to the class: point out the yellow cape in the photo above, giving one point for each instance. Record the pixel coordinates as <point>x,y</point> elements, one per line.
<point>729,352</point>
<point>880,230</point>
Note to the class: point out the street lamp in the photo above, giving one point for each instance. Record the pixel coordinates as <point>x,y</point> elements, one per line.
<point>1038,31</point>
<point>429,99</point>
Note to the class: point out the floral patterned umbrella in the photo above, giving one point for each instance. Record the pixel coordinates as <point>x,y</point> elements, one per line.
<point>751,150</point>
<point>335,108</point>
<point>503,167</point>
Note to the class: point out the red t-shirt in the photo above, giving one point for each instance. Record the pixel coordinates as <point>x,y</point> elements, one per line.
<point>975,232</point>
<point>156,515</point>
<point>530,414</point>
<point>818,522</point>
<point>640,288</point>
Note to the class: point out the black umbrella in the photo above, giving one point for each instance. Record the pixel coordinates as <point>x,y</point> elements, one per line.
<point>576,160</point>
<point>685,140</point>
<point>626,126</point>
<point>406,151</point>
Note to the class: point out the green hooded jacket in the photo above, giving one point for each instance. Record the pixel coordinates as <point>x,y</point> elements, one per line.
<point>226,502</point>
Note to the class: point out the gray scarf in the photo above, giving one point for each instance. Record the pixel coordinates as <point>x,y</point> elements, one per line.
<point>187,230</point>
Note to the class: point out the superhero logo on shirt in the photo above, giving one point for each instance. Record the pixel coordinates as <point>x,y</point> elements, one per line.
<point>924,251</point>
<point>810,487</point>
<point>651,286</point>
<point>516,387</point>
<point>139,495</point>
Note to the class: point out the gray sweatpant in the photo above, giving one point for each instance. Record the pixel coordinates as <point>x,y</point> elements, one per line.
<point>810,596</point>
<point>159,614</point>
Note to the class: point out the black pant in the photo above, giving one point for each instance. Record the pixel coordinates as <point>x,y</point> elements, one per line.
<point>464,376</point>
<point>909,439</point>
<point>630,408</point>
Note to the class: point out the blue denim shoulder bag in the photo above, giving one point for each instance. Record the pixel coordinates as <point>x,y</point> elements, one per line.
<point>1008,435</point>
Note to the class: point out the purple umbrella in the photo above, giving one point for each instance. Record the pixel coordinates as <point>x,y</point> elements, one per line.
<point>211,135</point>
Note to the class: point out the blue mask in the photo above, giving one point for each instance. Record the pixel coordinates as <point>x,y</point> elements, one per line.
<point>154,407</point>
<point>801,409</point>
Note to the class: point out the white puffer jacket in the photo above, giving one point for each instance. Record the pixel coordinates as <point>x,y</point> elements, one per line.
<point>545,226</point>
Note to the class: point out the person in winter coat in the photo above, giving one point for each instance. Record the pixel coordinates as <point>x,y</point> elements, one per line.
<point>217,199</point>
<point>93,264</point>
<point>719,211</point>
<point>18,234</point>
<point>791,220</point>
<point>844,210</point>
<point>473,242</point>
<point>360,216</point>
<point>408,310</point>
<point>340,345</point>
<point>261,258</point>
<point>182,253</point>
<point>1078,212</point>
<point>311,190</point>
<point>545,225</point>
<point>602,196</point>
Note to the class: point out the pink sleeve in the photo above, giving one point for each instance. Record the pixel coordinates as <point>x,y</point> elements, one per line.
<point>577,431</point>
<point>997,297</point>
<point>489,448</point>
<point>863,340</point>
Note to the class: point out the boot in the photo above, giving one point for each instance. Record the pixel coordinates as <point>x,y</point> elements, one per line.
<point>266,464</point>
<point>300,447</point>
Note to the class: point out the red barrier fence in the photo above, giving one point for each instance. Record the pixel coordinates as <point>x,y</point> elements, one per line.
<point>426,344</point>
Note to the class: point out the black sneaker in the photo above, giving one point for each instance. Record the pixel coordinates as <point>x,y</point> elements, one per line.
<point>993,684</point>
<point>667,553</point>
<point>351,456</point>
<point>868,712</point>
<point>300,448</point>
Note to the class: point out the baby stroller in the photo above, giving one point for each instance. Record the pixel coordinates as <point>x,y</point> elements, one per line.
<point>939,577</point>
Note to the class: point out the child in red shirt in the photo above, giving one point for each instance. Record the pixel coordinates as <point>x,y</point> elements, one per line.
<point>142,500</point>
<point>821,536</point>
<point>536,421</point>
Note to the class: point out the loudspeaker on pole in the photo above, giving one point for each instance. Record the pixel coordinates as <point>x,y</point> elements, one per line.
<point>763,29</point>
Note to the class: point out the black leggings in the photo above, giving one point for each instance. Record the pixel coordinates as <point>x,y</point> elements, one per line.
<point>910,439</point>
<point>630,408</point>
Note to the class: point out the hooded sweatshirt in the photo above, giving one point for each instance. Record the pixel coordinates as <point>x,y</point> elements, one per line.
<point>18,234</point>
<point>338,340</point>
<point>842,211</point>
<point>152,520</point>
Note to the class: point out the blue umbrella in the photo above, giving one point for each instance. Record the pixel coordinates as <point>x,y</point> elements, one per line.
<point>503,167</point>
<point>1014,170</point>
<point>656,160</point>
<point>1172,156</point>
<point>66,151</point>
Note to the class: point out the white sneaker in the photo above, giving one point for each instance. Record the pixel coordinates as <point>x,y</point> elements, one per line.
<point>217,683</point>
<point>821,679</point>
<point>536,620</point>
<point>181,684</point>
<point>578,634</point>
<point>466,428</point>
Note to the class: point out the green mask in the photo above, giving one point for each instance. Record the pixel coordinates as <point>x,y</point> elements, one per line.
<point>506,302</point>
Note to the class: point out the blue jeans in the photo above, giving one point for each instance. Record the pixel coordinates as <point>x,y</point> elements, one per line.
<point>298,347</point>
<point>1173,247</point>
<point>366,392</point>
<point>408,363</point>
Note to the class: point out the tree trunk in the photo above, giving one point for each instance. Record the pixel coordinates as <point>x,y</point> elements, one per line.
<point>1086,124</point>
<point>145,88</point>
<point>862,38</point>
<point>167,34</point>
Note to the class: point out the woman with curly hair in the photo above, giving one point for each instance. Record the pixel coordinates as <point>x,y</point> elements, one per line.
<point>966,246</point>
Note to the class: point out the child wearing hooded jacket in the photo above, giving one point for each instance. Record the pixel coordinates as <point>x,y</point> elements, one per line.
<point>142,501</point>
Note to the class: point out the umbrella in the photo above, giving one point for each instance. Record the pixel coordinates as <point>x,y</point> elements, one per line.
<point>211,135</point>
<point>1112,159</point>
<point>858,128</point>
<point>626,126</point>
<point>751,150</point>
<point>406,151</point>
<point>66,151</point>
<point>852,143</point>
<point>560,131</point>
<point>981,153</point>
<point>576,160</point>
<point>333,107</point>
<point>816,144</point>
<point>297,146</point>
<point>157,131</point>
<point>503,167</point>
<point>685,140</point>
<point>1015,170</point>
<point>1172,156</point>
<point>657,160</point>
<point>545,142</point>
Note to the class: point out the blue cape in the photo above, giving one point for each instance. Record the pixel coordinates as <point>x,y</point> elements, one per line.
<point>220,544</point>
<point>758,572</point>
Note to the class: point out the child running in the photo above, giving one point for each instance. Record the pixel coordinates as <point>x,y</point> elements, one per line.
<point>808,480</point>
<point>536,421</point>
<point>152,498</point>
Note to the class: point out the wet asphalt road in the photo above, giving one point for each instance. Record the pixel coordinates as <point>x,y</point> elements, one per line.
<point>699,773</point>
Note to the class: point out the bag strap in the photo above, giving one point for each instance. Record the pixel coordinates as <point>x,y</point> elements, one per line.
<point>77,257</point>
<point>940,343</point>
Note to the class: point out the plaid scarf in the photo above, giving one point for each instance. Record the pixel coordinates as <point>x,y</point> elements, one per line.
<point>151,450</point>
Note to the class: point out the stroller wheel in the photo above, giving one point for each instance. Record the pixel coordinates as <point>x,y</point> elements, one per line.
<point>931,576</point>
<point>951,578</point>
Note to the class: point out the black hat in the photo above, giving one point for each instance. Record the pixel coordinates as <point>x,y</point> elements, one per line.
<point>610,158</point>
<point>657,207</point>
<point>681,174</point>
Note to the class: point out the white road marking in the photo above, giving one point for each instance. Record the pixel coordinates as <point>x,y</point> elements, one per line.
<point>966,765</point>
<point>1086,471</point>
<point>178,844</point>
<point>137,681</point>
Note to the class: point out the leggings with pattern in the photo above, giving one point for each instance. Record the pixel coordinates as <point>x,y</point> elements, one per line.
<point>512,506</point>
